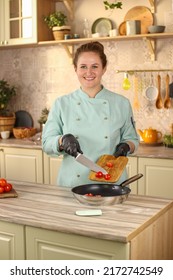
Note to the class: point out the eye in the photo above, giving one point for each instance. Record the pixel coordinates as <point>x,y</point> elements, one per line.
<point>83,67</point>
<point>95,66</point>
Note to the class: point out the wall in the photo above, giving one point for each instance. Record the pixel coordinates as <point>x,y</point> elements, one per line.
<point>43,73</point>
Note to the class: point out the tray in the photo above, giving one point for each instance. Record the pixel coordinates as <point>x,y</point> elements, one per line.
<point>12,193</point>
<point>116,171</point>
<point>23,119</point>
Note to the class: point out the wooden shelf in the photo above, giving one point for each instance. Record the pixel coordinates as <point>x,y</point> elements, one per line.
<point>148,38</point>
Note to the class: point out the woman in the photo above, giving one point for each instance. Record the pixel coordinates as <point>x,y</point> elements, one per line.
<point>91,120</point>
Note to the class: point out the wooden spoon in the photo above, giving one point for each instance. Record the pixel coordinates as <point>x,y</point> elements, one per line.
<point>159,102</point>
<point>167,102</point>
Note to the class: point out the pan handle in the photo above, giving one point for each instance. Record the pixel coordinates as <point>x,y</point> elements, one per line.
<point>131,179</point>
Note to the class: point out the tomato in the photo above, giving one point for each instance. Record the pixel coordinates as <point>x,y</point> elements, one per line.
<point>109,164</point>
<point>8,187</point>
<point>1,189</point>
<point>89,194</point>
<point>3,182</point>
<point>99,174</point>
<point>107,176</point>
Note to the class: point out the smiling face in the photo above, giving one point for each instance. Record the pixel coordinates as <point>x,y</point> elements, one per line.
<point>89,70</point>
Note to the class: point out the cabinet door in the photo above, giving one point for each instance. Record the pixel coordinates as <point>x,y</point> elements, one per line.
<point>42,244</point>
<point>22,165</point>
<point>11,241</point>
<point>132,170</point>
<point>22,21</point>
<point>158,177</point>
<point>51,167</point>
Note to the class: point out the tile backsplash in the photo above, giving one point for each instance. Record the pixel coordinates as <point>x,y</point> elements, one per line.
<point>43,73</point>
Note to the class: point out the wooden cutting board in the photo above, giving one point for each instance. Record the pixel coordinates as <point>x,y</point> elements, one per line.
<point>115,171</point>
<point>143,14</point>
<point>12,193</point>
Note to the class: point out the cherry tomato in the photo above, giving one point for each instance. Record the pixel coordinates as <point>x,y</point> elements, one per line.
<point>89,194</point>
<point>1,189</point>
<point>107,176</point>
<point>8,187</point>
<point>3,182</point>
<point>109,164</point>
<point>99,174</point>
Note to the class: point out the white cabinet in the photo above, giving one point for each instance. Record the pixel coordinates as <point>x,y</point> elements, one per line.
<point>51,167</point>
<point>12,241</point>
<point>158,177</point>
<point>21,21</point>
<point>132,169</point>
<point>21,164</point>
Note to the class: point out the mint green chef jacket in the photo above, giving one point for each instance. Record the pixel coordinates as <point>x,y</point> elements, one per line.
<point>99,124</point>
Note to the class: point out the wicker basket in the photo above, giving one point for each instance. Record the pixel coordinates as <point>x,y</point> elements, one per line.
<point>59,34</point>
<point>7,123</point>
<point>24,132</point>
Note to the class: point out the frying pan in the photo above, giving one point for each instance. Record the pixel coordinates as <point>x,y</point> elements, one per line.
<point>104,194</point>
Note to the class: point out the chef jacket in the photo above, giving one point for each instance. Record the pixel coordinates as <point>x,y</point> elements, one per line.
<point>99,124</point>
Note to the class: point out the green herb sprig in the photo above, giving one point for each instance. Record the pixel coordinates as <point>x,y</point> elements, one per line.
<point>117,5</point>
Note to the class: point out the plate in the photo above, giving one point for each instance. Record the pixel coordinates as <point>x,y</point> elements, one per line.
<point>102,26</point>
<point>23,119</point>
<point>143,14</point>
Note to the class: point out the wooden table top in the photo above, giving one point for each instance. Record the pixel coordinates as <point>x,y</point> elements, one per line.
<point>53,208</point>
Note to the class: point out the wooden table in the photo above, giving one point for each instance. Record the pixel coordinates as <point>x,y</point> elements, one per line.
<point>140,228</point>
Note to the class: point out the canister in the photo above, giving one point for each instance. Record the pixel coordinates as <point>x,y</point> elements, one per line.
<point>133,27</point>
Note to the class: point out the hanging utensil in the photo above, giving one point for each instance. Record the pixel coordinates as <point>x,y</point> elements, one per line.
<point>136,104</point>
<point>167,102</point>
<point>159,102</point>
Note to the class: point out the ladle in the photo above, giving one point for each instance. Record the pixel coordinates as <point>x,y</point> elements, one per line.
<point>159,102</point>
<point>167,102</point>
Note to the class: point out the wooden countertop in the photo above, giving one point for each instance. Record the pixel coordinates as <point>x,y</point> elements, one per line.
<point>143,150</point>
<point>52,207</point>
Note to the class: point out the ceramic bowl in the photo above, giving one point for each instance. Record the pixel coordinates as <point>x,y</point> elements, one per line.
<point>156,29</point>
<point>5,134</point>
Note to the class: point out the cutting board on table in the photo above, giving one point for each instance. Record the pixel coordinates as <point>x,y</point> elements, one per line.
<point>12,193</point>
<point>115,171</point>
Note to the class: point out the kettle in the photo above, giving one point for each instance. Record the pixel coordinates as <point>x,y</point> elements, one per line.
<point>150,135</point>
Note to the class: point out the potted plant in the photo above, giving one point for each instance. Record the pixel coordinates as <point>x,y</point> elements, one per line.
<point>7,118</point>
<point>43,118</point>
<point>57,22</point>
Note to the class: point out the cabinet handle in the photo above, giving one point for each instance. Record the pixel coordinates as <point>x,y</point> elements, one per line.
<point>5,42</point>
<point>2,42</point>
<point>1,150</point>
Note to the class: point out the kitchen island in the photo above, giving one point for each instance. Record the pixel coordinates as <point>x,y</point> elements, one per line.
<point>41,224</point>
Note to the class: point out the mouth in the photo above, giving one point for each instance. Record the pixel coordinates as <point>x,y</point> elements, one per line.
<point>89,78</point>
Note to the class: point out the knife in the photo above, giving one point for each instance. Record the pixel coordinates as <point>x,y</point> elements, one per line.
<point>90,164</point>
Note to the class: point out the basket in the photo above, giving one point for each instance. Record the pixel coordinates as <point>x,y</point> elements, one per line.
<point>59,34</point>
<point>24,132</point>
<point>7,123</point>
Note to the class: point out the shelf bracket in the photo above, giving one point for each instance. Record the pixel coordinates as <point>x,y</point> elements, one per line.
<point>69,6</point>
<point>152,6</point>
<point>69,50</point>
<point>151,47</point>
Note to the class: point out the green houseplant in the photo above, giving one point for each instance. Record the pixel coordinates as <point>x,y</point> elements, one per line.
<point>7,118</point>
<point>57,22</point>
<point>43,118</point>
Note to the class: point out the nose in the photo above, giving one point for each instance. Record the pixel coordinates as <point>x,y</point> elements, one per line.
<point>89,70</point>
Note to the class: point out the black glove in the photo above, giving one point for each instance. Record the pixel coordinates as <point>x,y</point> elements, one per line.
<point>121,149</point>
<point>70,145</point>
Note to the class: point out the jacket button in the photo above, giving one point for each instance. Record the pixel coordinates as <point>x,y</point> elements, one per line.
<point>104,102</point>
<point>78,119</point>
<point>78,103</point>
<point>106,137</point>
<point>78,175</point>
<point>106,118</point>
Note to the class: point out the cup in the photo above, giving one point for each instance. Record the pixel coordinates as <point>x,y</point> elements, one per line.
<point>133,27</point>
<point>113,32</point>
<point>5,134</point>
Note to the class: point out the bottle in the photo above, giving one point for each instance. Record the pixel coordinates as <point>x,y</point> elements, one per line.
<point>86,28</point>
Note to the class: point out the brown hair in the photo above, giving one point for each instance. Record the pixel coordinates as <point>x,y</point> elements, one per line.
<point>91,47</point>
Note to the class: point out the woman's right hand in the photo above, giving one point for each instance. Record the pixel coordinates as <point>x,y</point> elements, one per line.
<point>70,145</point>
